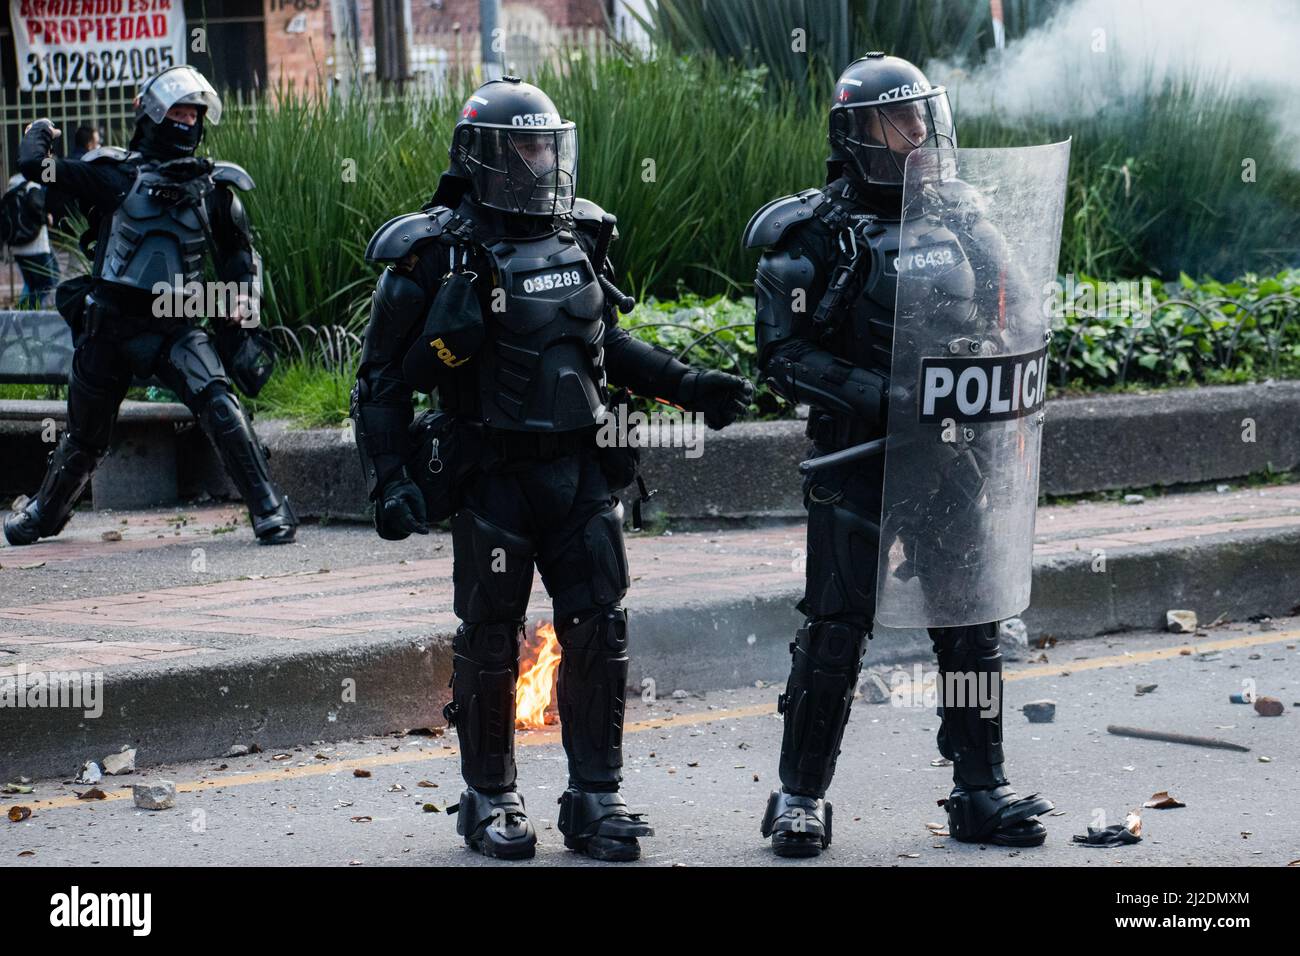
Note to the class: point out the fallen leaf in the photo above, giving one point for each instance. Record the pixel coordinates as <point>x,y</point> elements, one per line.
<point>360,819</point>
<point>426,783</point>
<point>94,793</point>
<point>431,808</point>
<point>1162,801</point>
<point>27,853</point>
<point>360,773</point>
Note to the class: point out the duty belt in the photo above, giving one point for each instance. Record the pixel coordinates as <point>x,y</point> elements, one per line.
<point>836,431</point>
<point>543,445</point>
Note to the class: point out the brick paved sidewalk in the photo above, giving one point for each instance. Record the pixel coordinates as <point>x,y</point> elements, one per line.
<point>183,584</point>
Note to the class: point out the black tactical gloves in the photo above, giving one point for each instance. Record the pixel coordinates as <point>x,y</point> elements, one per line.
<point>399,511</point>
<point>721,397</point>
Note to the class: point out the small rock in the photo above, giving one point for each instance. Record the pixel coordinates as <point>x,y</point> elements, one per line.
<point>238,750</point>
<point>1013,631</point>
<point>1269,707</point>
<point>120,763</point>
<point>157,795</point>
<point>874,689</point>
<point>111,535</point>
<point>1134,499</point>
<point>680,695</point>
<point>1013,636</point>
<point>1222,489</point>
<point>1040,711</point>
<point>1180,622</point>
<point>90,773</point>
<point>1146,688</point>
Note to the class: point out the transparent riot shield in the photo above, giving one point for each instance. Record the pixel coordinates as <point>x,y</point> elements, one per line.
<point>980,238</point>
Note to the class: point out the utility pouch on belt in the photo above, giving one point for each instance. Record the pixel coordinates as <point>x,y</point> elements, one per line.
<point>453,332</point>
<point>70,300</point>
<point>620,461</point>
<point>446,451</point>
<point>248,355</point>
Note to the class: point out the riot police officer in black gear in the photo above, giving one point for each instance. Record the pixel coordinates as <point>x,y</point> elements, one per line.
<point>155,211</point>
<point>825,293</point>
<point>498,298</point>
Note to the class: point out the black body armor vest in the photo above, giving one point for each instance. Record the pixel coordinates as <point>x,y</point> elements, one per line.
<point>156,233</point>
<point>542,364</point>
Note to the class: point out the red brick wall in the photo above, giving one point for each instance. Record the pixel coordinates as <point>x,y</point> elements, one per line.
<point>298,58</point>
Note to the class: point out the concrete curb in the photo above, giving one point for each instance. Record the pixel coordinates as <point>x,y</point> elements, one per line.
<point>277,698</point>
<point>747,471</point>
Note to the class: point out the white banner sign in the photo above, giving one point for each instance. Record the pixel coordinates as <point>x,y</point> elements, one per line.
<point>92,44</point>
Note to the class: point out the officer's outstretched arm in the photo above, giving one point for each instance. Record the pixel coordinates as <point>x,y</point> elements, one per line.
<point>656,373</point>
<point>95,183</point>
<point>787,289</point>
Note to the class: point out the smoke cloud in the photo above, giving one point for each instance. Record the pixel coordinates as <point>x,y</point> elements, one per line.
<point>1099,55</point>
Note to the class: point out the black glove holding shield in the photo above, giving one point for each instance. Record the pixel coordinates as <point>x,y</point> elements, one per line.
<point>722,398</point>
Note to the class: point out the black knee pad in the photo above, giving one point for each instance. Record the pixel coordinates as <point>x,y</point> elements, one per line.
<point>485,669</point>
<point>592,694</point>
<point>492,571</point>
<point>843,554</point>
<point>193,365</point>
<point>592,570</point>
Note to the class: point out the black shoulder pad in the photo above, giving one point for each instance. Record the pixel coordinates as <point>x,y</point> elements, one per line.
<point>587,216</point>
<point>106,154</point>
<point>397,237</point>
<point>233,173</point>
<point>770,223</point>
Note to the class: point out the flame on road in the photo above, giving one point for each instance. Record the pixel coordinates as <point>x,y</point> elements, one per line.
<point>537,680</point>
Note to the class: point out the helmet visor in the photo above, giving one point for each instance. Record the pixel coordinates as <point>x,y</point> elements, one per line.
<point>182,85</point>
<point>881,135</point>
<point>528,171</point>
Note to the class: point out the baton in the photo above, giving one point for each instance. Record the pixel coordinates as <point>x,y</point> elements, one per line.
<point>624,303</point>
<point>843,456</point>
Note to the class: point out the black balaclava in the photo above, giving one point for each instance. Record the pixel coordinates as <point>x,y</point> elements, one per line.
<point>169,139</point>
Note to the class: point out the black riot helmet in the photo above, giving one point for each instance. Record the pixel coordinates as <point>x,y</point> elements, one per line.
<point>161,138</point>
<point>884,108</point>
<point>517,153</point>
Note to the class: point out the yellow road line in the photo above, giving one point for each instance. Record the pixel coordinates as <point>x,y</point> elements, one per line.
<point>542,738</point>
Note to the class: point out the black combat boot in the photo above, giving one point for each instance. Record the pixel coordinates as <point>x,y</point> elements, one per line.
<point>47,512</point>
<point>982,808</point>
<point>827,656</point>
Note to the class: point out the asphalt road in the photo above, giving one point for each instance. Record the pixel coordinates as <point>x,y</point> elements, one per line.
<point>702,768</point>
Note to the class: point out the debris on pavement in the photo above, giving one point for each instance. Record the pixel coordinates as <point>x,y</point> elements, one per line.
<point>156,795</point>
<point>1173,738</point>
<point>1161,800</point>
<point>94,793</point>
<point>874,690</point>
<point>1040,711</point>
<point>119,763</point>
<point>18,813</point>
<point>1269,707</point>
<point>1125,834</point>
<point>238,750</point>
<point>89,773</point>
<point>1145,689</point>
<point>1180,621</point>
